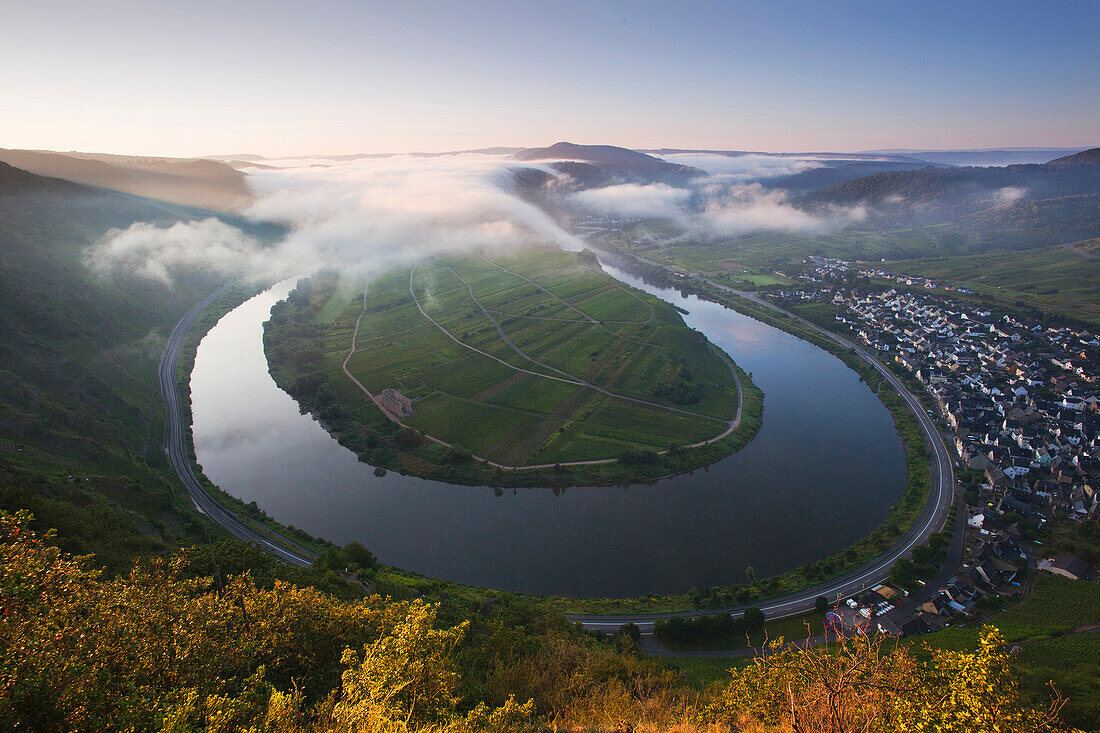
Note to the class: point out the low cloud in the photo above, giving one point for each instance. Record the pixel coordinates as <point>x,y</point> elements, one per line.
<point>714,207</point>
<point>367,214</point>
<point>402,208</point>
<point>747,208</point>
<point>746,168</point>
<point>349,214</point>
<point>154,252</point>
<point>1010,194</point>
<point>633,200</point>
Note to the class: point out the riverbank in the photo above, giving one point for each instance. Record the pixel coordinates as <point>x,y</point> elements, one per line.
<point>290,538</point>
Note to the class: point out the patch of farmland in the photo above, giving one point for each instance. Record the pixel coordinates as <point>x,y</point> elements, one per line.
<point>536,395</point>
<point>614,305</point>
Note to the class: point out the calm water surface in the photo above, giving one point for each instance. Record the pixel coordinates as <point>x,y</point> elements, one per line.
<point>824,470</point>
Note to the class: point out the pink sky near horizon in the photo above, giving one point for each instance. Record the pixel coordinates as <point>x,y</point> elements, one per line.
<point>280,78</point>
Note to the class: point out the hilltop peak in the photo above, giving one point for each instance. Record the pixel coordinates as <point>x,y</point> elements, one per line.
<point>605,154</point>
<point>1085,157</point>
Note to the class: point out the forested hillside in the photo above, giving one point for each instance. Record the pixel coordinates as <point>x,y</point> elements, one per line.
<point>81,420</point>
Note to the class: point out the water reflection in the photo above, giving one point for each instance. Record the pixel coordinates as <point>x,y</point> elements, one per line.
<point>823,471</point>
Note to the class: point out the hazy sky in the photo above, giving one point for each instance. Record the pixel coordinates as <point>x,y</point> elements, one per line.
<point>282,78</point>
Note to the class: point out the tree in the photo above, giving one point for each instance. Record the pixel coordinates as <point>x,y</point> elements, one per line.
<point>821,604</point>
<point>970,691</point>
<point>631,630</point>
<point>864,682</point>
<point>407,676</point>
<point>754,618</point>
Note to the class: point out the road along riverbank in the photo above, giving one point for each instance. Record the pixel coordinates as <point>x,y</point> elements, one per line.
<point>941,495</point>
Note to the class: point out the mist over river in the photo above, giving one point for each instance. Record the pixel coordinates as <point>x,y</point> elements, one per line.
<point>823,471</point>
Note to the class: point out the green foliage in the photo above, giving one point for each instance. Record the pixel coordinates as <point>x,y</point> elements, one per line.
<point>1081,539</point>
<point>684,630</point>
<point>754,618</point>
<point>160,649</point>
<point>865,683</point>
<point>407,675</point>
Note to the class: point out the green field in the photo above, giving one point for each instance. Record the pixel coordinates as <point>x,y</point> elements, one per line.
<point>1053,279</point>
<point>528,359</point>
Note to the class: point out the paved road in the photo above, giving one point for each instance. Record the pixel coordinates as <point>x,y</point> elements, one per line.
<point>930,520</point>
<point>178,419</point>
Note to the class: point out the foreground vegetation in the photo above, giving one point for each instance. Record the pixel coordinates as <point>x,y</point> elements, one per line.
<point>168,648</point>
<point>537,361</point>
<point>1055,630</point>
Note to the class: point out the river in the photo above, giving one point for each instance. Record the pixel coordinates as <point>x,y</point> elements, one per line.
<point>823,471</point>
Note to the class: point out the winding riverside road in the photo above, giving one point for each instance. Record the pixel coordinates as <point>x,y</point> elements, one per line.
<point>931,519</point>
<point>178,420</point>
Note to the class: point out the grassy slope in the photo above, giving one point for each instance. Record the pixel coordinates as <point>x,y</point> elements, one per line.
<point>516,418</point>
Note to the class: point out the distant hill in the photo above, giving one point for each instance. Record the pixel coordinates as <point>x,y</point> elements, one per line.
<point>16,181</point>
<point>836,173</point>
<point>1085,157</point>
<point>1034,222</point>
<point>888,157</point>
<point>602,165</point>
<point>206,184</point>
<point>603,154</point>
<point>986,157</point>
<point>937,192</point>
<point>249,157</point>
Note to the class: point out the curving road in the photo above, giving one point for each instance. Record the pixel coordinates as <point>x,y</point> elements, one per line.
<point>177,446</point>
<point>931,519</point>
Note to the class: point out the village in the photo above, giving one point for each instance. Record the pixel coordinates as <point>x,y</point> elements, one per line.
<point>1018,401</point>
